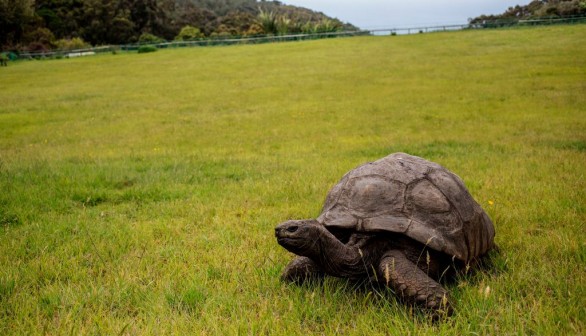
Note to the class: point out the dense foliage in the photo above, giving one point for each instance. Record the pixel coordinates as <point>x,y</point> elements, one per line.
<point>39,25</point>
<point>538,9</point>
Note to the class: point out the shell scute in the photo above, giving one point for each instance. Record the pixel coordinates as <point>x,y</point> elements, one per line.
<point>338,216</point>
<point>426,197</point>
<point>373,195</point>
<point>456,192</point>
<point>407,169</point>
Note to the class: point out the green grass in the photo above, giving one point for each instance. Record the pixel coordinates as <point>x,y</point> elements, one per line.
<point>138,192</point>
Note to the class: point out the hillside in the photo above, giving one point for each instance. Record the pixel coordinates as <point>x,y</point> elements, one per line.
<point>45,24</point>
<point>538,9</point>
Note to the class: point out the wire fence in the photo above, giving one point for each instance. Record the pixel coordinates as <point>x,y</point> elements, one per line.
<point>486,24</point>
<point>218,41</point>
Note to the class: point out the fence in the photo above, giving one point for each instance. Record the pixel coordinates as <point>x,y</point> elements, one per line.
<point>300,37</point>
<point>414,30</point>
<point>217,41</point>
<point>487,24</point>
<point>246,40</point>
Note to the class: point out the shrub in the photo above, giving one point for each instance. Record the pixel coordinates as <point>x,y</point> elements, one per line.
<point>40,39</point>
<point>323,26</point>
<point>37,47</point>
<point>254,29</point>
<point>327,26</point>
<point>149,38</point>
<point>221,35</point>
<point>147,49</point>
<point>283,24</point>
<point>188,33</point>
<point>268,21</point>
<point>71,44</point>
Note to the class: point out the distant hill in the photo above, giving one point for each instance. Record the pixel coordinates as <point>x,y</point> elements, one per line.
<point>538,9</point>
<point>36,25</point>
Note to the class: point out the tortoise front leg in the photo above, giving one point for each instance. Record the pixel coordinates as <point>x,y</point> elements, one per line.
<point>301,269</point>
<point>411,283</point>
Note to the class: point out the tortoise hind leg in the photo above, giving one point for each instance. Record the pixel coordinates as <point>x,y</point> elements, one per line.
<point>301,269</point>
<point>411,283</point>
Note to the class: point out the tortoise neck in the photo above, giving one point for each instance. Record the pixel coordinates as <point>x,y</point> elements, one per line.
<point>337,258</point>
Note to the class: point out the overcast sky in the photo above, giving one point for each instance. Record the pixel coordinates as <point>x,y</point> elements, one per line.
<point>371,14</point>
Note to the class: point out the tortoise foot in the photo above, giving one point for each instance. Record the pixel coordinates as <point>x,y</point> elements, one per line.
<point>300,270</point>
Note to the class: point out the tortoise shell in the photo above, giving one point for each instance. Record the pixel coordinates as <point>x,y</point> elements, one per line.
<point>406,194</point>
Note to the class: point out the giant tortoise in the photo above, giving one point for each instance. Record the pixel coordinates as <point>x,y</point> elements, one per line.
<point>402,221</point>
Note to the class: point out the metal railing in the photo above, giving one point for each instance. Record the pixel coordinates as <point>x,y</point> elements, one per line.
<point>231,40</point>
<point>417,30</point>
<point>502,23</point>
<point>215,41</point>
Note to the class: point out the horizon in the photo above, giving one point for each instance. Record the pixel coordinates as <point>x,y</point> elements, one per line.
<point>375,14</point>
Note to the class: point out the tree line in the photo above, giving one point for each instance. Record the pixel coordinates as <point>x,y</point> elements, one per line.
<point>38,25</point>
<point>537,9</point>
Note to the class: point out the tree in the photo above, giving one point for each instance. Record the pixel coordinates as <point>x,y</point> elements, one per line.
<point>537,9</point>
<point>14,17</point>
<point>122,30</point>
<point>235,23</point>
<point>62,17</point>
<point>23,22</point>
<point>97,20</point>
<point>191,15</point>
<point>146,15</point>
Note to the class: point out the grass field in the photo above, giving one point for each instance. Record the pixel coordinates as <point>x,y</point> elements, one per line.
<point>139,192</point>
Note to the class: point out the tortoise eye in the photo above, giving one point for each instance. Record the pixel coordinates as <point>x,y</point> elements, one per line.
<point>292,228</point>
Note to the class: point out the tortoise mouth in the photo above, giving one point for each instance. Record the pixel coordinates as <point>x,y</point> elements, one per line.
<point>287,241</point>
<point>297,246</point>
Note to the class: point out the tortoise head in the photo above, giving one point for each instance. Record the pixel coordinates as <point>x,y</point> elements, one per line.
<point>309,238</point>
<point>300,236</point>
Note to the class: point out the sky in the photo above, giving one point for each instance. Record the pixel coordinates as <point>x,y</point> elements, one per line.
<point>373,14</point>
